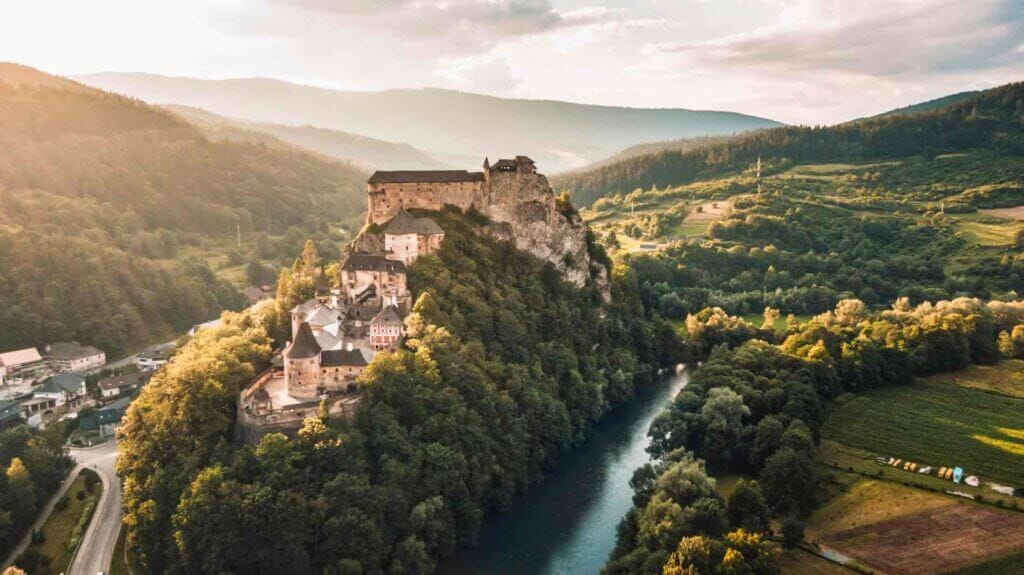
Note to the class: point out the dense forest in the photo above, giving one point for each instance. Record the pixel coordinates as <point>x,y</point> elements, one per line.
<point>103,197</point>
<point>506,366</point>
<point>757,407</point>
<point>802,257</point>
<point>34,463</point>
<point>993,119</point>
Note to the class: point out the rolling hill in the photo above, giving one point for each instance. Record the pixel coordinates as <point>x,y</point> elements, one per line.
<point>366,153</point>
<point>993,119</point>
<point>107,206</point>
<point>559,135</point>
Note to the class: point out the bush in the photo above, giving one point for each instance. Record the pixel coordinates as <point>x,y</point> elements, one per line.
<point>38,537</point>
<point>792,531</point>
<point>62,504</point>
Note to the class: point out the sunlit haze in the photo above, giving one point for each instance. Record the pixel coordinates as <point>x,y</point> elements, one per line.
<point>808,61</point>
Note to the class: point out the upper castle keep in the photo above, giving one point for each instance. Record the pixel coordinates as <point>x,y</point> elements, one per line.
<point>511,193</point>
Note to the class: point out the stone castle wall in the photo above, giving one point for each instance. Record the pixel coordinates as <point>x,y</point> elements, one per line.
<point>524,201</point>
<point>386,200</point>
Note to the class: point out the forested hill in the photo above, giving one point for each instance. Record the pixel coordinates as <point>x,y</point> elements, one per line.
<point>993,119</point>
<point>445,123</point>
<point>101,196</point>
<point>366,153</point>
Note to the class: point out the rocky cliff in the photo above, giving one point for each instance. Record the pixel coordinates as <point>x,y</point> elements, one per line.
<point>523,209</point>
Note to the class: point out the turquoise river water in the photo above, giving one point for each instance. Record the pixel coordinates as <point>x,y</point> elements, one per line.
<point>567,524</point>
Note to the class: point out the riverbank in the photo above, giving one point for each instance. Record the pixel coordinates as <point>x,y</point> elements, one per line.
<point>567,524</point>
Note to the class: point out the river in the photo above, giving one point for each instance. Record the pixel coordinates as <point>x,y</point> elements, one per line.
<point>567,524</point>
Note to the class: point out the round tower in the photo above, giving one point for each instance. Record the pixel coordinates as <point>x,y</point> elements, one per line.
<point>302,364</point>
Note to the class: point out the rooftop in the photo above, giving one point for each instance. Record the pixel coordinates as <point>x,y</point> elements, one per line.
<point>424,176</point>
<point>406,223</point>
<point>305,345</point>
<point>70,350</point>
<point>62,382</point>
<point>344,357</point>
<point>130,380</point>
<point>372,262</point>
<point>20,357</point>
<point>388,315</point>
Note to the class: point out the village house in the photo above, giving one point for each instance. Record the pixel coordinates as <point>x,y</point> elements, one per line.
<point>123,384</point>
<point>74,357</point>
<point>66,389</point>
<point>23,364</point>
<point>152,359</point>
<point>107,418</point>
<point>386,328</point>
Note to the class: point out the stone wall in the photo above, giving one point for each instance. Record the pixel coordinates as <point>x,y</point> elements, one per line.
<point>386,200</point>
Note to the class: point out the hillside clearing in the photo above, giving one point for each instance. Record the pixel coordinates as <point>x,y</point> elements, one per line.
<point>1015,213</point>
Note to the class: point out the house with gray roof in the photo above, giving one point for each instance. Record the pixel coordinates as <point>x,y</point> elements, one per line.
<point>64,388</point>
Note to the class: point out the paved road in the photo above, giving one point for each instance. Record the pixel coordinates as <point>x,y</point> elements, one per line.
<point>98,543</point>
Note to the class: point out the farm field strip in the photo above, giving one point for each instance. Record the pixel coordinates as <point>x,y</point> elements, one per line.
<point>937,424</point>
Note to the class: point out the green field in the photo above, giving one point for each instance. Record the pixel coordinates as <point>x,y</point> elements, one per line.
<point>936,424</point>
<point>983,230</point>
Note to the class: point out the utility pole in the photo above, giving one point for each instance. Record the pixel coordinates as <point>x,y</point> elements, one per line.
<point>238,229</point>
<point>759,174</point>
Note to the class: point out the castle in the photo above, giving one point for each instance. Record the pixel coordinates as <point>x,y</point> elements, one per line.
<point>336,334</point>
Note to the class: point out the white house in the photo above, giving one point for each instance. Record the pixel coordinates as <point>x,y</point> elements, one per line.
<point>153,358</point>
<point>63,388</point>
<point>123,384</point>
<point>73,356</point>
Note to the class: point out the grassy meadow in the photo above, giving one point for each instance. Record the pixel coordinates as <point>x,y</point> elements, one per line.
<point>938,424</point>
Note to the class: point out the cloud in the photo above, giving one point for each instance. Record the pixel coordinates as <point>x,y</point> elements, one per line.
<point>489,74</point>
<point>495,18</point>
<point>886,40</point>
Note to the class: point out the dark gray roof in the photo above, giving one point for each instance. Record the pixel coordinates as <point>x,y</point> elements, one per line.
<point>305,345</point>
<point>388,315</point>
<point>524,160</point>
<point>323,285</point>
<point>424,176</point>
<point>343,357</point>
<point>69,350</point>
<point>360,311</point>
<point>372,262</point>
<point>406,223</point>
<point>9,409</point>
<point>130,380</point>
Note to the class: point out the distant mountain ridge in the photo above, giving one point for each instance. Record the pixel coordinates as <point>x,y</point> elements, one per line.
<point>366,153</point>
<point>443,123</point>
<point>991,119</point>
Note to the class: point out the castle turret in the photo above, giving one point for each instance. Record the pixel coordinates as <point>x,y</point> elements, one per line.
<point>302,364</point>
<point>323,287</point>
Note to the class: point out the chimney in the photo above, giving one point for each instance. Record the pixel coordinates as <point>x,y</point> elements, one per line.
<point>348,346</point>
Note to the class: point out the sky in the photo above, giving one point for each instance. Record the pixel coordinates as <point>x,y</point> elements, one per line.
<point>800,61</point>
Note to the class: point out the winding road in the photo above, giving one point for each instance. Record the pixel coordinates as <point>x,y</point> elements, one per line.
<point>97,546</point>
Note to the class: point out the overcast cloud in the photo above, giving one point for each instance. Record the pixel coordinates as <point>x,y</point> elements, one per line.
<point>806,61</point>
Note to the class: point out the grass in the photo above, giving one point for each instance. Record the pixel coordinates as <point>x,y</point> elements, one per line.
<point>846,465</point>
<point>780,324</point>
<point>936,424</point>
<point>1009,565</point>
<point>800,562</point>
<point>985,230</point>
<point>1006,378</point>
<point>65,527</point>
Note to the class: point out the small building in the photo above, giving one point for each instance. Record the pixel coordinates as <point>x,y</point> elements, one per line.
<point>407,237</point>
<point>106,419</point>
<point>361,269</point>
<point>22,363</point>
<point>35,408</point>
<point>74,357</point>
<point>123,384</point>
<point>386,328</point>
<point>152,359</point>
<point>64,388</point>
<point>11,414</point>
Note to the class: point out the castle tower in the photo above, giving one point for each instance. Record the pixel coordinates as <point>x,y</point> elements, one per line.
<point>302,364</point>
<point>323,287</point>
